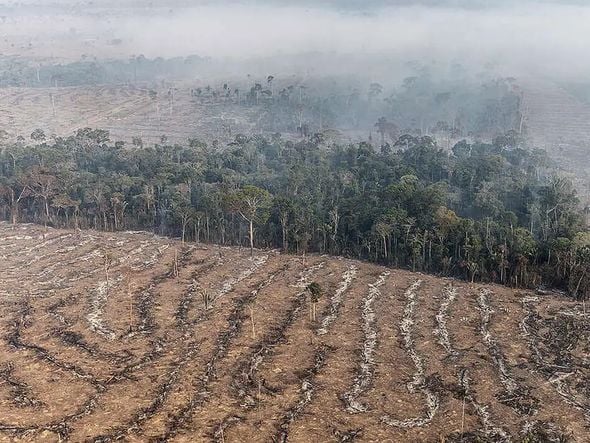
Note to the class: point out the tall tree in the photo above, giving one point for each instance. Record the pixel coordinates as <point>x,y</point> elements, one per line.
<point>252,203</point>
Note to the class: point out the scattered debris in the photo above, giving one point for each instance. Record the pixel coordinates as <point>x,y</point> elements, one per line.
<point>363,378</point>
<point>418,382</point>
<point>337,299</point>
<point>449,294</point>
<point>515,395</point>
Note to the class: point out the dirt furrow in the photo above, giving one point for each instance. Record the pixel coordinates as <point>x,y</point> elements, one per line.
<point>21,394</point>
<point>489,430</point>
<point>558,372</point>
<point>515,394</point>
<point>365,372</point>
<point>14,339</point>
<point>186,348</point>
<point>245,381</point>
<point>279,393</point>
<point>418,382</point>
<point>449,294</point>
<point>145,298</point>
<point>308,382</point>
<point>188,296</point>
<point>240,383</point>
<point>177,421</point>
<point>63,425</point>
<point>306,393</point>
<point>337,300</point>
<point>203,343</point>
<point>472,378</point>
<point>60,426</point>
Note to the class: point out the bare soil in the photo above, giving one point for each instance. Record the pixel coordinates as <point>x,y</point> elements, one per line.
<point>142,355</point>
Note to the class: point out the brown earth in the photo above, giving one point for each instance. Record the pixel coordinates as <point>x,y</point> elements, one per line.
<point>126,111</point>
<point>191,343</point>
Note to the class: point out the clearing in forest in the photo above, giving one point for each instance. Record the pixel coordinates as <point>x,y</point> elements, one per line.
<point>133,337</point>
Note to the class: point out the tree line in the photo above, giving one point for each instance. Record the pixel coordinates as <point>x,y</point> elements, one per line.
<point>491,212</point>
<point>21,72</point>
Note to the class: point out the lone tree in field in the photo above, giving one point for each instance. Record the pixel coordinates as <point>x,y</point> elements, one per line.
<point>206,297</point>
<point>252,203</point>
<point>315,292</point>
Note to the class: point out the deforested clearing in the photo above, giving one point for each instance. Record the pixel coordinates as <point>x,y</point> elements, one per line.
<point>191,342</point>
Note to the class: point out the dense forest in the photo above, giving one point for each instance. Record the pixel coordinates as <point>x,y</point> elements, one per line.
<point>493,212</point>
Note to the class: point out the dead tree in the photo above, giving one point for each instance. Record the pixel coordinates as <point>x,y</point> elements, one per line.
<point>315,292</point>
<point>206,297</point>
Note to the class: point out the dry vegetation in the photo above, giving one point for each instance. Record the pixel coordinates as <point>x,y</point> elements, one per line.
<point>129,336</point>
<point>126,111</point>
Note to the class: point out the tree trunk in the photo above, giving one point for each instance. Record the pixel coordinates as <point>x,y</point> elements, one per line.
<point>46,210</point>
<point>579,283</point>
<point>251,238</point>
<point>285,245</point>
<point>14,213</point>
<point>207,228</point>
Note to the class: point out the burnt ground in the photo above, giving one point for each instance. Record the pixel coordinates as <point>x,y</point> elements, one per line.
<point>140,355</point>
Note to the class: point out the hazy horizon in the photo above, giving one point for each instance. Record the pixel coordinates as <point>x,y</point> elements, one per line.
<point>534,37</point>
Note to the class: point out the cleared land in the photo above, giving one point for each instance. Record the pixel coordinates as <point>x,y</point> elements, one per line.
<point>126,111</point>
<point>133,337</point>
<point>560,123</point>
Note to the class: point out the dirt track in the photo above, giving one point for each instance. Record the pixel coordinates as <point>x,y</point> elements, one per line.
<point>392,356</point>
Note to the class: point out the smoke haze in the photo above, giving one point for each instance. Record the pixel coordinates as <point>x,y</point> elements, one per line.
<point>551,38</point>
